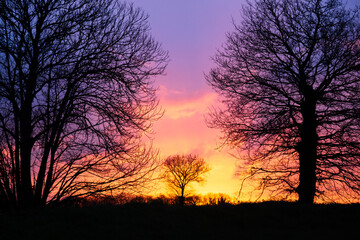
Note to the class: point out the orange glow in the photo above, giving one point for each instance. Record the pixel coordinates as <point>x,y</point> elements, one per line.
<point>183,130</point>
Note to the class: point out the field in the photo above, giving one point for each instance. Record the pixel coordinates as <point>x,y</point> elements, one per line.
<point>155,221</point>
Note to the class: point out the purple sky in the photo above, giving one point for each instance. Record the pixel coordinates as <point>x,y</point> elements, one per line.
<point>191,30</point>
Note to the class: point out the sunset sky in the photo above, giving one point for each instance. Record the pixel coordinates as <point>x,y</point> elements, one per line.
<point>192,31</point>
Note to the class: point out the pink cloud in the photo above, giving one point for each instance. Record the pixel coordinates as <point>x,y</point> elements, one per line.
<point>183,104</point>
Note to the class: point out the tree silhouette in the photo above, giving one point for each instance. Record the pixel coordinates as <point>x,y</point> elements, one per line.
<point>181,170</point>
<point>290,81</point>
<point>76,96</point>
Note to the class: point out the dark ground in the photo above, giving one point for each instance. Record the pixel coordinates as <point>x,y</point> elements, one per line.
<point>141,221</point>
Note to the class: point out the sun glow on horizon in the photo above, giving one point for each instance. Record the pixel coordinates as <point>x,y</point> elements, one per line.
<point>183,130</point>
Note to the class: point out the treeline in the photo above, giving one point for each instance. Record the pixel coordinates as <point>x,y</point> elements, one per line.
<point>212,199</point>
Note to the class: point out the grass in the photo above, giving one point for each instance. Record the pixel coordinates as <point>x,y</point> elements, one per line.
<point>145,221</point>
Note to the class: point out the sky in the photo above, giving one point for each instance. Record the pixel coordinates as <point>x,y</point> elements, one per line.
<point>192,31</point>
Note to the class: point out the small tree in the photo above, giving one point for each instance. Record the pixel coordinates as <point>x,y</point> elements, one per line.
<point>181,170</point>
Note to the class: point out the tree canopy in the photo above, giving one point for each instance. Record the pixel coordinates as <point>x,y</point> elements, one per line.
<point>290,81</point>
<point>181,170</point>
<point>76,95</point>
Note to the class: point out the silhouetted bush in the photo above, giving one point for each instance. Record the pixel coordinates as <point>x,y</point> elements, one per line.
<point>217,199</point>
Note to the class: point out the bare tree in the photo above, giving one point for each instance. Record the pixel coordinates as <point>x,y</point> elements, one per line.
<point>289,75</point>
<point>75,97</point>
<point>181,170</point>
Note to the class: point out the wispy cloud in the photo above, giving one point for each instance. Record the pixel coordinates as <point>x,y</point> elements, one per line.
<point>182,104</point>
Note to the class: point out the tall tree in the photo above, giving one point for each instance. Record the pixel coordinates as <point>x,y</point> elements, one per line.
<point>181,170</point>
<point>76,95</point>
<point>290,80</point>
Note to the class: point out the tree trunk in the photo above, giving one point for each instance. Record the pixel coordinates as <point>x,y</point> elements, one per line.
<point>26,195</point>
<point>307,149</point>
<point>182,198</point>
<point>26,143</point>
